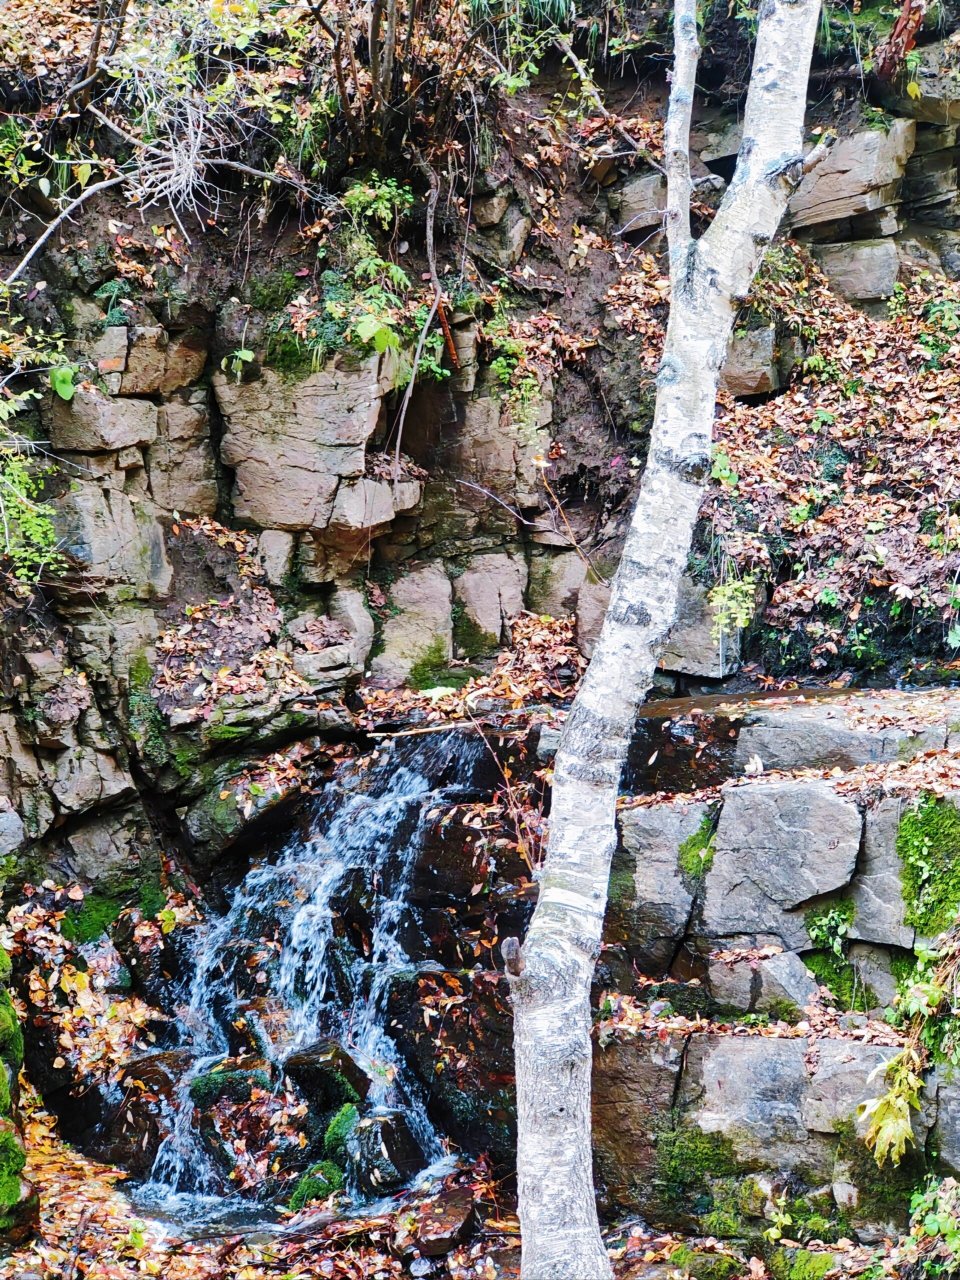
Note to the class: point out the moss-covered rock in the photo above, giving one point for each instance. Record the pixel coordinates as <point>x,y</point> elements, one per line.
<point>801,1264</point>
<point>703,1265</point>
<point>207,1090</point>
<point>321,1180</point>
<point>338,1132</point>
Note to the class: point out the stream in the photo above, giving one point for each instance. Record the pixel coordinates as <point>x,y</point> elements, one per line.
<point>365,833</point>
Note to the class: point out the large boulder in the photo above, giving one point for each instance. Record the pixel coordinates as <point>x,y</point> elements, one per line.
<point>650,897</point>
<point>117,543</point>
<point>291,443</point>
<point>860,174</point>
<point>860,270</point>
<point>92,422</point>
<point>419,627</point>
<point>489,593</point>
<point>777,846</point>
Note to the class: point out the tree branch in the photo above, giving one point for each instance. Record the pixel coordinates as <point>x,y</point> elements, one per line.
<point>686,55</point>
<point>59,220</point>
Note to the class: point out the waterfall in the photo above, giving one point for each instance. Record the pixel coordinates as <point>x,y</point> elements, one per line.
<point>366,831</point>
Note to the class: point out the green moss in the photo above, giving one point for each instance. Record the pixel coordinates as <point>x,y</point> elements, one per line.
<point>219,732</point>
<point>841,980</point>
<point>928,845</point>
<point>91,918</point>
<point>147,724</point>
<point>469,637</point>
<point>704,1266</point>
<point>695,855</point>
<point>151,898</point>
<point>431,670</point>
<point>274,290</point>
<point>12,1161</point>
<point>320,1181</point>
<point>800,1264</point>
<point>207,1090</point>
<point>338,1132</point>
<point>689,1164</point>
<point>11,1033</point>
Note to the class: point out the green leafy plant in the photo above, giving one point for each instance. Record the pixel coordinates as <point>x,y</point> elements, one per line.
<point>734,604</point>
<point>889,1128</point>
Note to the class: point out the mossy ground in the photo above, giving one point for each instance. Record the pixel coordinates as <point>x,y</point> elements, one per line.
<point>928,845</point>
<point>704,1266</point>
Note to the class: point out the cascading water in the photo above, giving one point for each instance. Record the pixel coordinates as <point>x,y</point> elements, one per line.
<point>367,829</point>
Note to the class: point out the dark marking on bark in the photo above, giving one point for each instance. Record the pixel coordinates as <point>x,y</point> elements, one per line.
<point>691,465</point>
<point>630,614</point>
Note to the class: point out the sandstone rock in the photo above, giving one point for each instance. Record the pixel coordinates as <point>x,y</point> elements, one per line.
<point>487,211</point>
<point>642,203</point>
<point>504,242</point>
<point>750,368</point>
<point>85,779</point>
<point>180,462</point>
<point>275,549</point>
<point>186,358</point>
<point>91,422</point>
<point>106,851</point>
<point>691,647</point>
<point>496,453</point>
<point>819,735</point>
<point>841,1082</point>
<point>873,972</point>
<point>936,78</point>
<point>861,173</point>
<point>634,1087</point>
<point>753,1091</point>
<point>422,627</point>
<point>118,544</point>
<point>109,350</point>
<point>291,443</point>
<point>368,505</point>
<point>877,892</point>
<point>650,902</point>
<point>21,782</point>
<point>12,832</point>
<point>861,270</point>
<point>146,360</point>
<point>946,1133</point>
<point>490,592</point>
<point>777,845</point>
<point>466,343</point>
<point>348,607</point>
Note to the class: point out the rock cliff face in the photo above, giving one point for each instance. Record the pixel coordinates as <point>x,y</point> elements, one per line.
<point>245,543</point>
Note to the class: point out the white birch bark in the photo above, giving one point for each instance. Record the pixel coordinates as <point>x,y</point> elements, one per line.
<point>551,977</point>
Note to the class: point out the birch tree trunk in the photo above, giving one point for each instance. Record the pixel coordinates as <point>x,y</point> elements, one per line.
<point>551,976</point>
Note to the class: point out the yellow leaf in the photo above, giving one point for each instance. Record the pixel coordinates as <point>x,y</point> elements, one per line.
<point>913,89</point>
